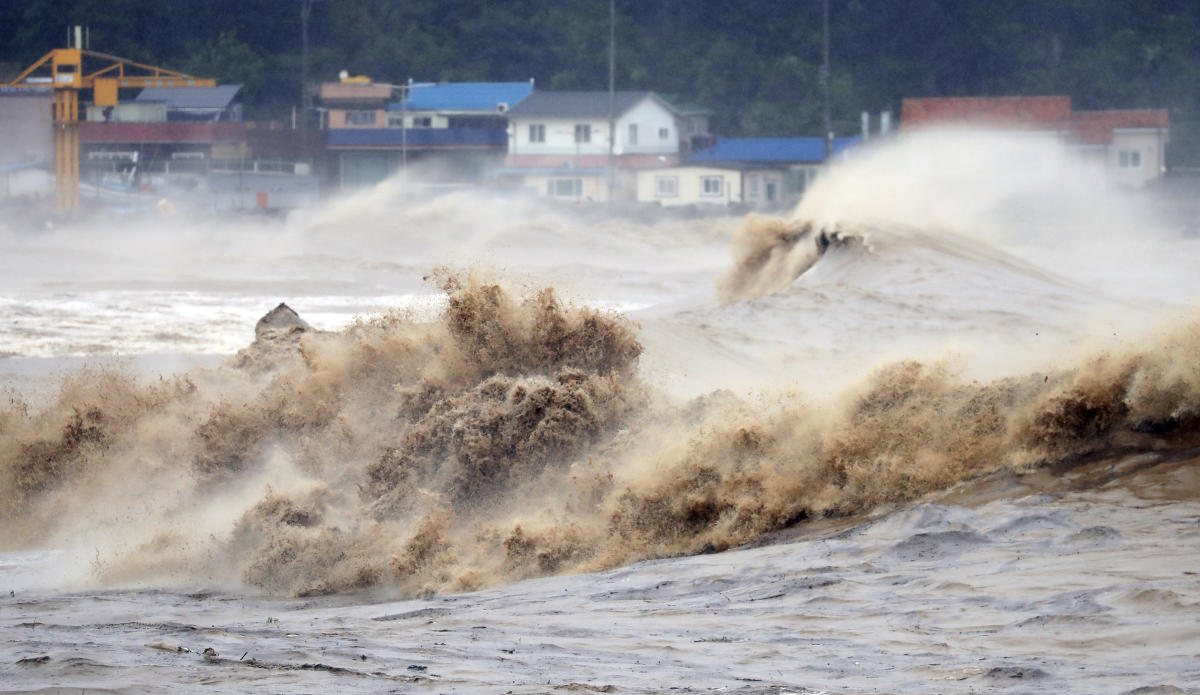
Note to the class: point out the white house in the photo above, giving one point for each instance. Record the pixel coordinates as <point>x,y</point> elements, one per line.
<point>759,172</point>
<point>689,184</point>
<point>559,142</point>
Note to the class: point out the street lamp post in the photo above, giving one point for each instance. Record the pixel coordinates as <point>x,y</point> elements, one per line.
<point>826,78</point>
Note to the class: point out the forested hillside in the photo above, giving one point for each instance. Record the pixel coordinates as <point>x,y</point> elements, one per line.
<point>754,63</point>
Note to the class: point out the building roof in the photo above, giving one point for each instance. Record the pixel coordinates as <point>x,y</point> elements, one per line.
<point>1096,127</point>
<point>1022,113</point>
<point>465,96</point>
<point>352,91</point>
<point>779,150</point>
<point>723,165</point>
<point>208,98</point>
<point>547,171</point>
<point>48,90</point>
<point>1028,113</point>
<point>395,138</point>
<point>580,104</point>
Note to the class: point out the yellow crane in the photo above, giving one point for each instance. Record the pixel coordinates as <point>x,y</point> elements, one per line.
<point>67,78</point>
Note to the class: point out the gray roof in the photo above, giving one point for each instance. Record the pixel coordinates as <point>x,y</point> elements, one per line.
<point>214,98</point>
<point>578,104</point>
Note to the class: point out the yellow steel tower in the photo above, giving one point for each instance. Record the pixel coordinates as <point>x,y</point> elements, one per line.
<point>67,78</point>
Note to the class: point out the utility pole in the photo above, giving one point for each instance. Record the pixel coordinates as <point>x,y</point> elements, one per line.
<point>305,94</point>
<point>826,78</point>
<point>612,95</point>
<point>404,92</point>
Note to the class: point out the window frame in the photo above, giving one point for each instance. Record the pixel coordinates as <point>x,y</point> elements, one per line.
<point>1129,159</point>
<point>359,117</point>
<point>663,191</point>
<point>554,187</point>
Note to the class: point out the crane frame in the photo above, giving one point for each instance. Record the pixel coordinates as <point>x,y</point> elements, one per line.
<point>67,79</point>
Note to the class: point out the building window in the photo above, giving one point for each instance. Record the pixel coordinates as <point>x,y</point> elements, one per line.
<point>664,133</point>
<point>360,117</point>
<point>633,133</point>
<point>712,185</point>
<point>415,122</point>
<point>1130,159</point>
<point>537,132</point>
<point>583,132</point>
<point>129,156</point>
<point>565,188</point>
<point>666,186</point>
<point>752,183</point>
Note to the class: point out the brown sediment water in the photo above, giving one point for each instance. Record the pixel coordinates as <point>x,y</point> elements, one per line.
<point>514,438</point>
<point>876,444</point>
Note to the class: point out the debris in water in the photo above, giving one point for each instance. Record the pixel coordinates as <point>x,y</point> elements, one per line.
<point>168,647</point>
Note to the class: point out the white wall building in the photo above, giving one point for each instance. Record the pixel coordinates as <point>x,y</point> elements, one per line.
<point>559,142</point>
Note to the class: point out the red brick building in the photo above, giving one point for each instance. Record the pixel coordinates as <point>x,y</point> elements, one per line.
<point>1128,144</point>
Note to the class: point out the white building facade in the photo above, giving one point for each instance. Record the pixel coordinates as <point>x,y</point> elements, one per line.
<point>590,145</point>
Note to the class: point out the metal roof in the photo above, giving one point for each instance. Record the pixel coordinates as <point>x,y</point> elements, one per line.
<point>38,91</point>
<point>780,150</point>
<point>465,96</point>
<point>580,104</point>
<point>209,98</point>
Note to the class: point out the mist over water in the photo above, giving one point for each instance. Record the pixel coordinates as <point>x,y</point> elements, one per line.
<point>531,390</point>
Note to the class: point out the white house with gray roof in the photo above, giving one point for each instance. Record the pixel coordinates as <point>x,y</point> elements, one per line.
<point>558,142</point>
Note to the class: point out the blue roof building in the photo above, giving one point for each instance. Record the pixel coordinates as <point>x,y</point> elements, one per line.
<point>483,97</point>
<point>771,150</point>
<point>769,173</point>
<point>450,133</point>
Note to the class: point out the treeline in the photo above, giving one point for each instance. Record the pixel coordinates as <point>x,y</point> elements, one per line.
<point>754,64</point>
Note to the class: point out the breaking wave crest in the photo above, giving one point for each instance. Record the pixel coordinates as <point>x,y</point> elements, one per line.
<point>514,437</point>
<point>770,253</point>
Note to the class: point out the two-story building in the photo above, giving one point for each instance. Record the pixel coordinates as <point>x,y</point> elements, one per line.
<point>759,172</point>
<point>447,134</point>
<point>165,129</point>
<point>590,145</point>
<point>1127,146</point>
